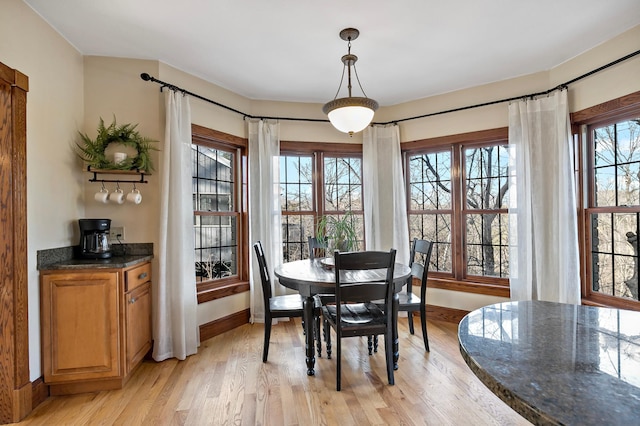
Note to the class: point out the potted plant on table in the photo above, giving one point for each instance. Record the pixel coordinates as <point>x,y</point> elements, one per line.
<point>338,231</point>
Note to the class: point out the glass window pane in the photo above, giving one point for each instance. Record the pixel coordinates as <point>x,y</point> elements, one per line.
<point>604,190</point>
<point>487,244</point>
<point>486,178</point>
<point>296,188</point>
<point>436,228</point>
<point>342,183</point>
<point>215,237</point>
<point>295,231</point>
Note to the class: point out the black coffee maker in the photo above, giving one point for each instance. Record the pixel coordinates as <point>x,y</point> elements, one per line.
<point>94,238</point>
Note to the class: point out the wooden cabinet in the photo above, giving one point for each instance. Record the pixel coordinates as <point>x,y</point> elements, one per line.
<point>96,326</point>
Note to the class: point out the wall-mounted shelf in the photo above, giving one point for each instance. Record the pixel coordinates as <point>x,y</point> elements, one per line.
<point>128,175</point>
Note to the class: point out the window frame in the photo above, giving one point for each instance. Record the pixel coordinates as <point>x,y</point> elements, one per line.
<point>458,279</point>
<point>616,110</point>
<point>318,152</point>
<point>215,289</point>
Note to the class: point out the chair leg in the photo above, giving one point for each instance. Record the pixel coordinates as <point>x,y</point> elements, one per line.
<point>388,354</point>
<point>327,338</point>
<point>410,321</point>
<point>317,320</point>
<point>339,365</point>
<point>267,336</point>
<point>423,320</point>
<point>370,344</point>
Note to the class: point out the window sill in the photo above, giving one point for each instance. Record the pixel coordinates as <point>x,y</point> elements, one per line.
<point>221,291</point>
<point>605,301</point>
<point>470,287</point>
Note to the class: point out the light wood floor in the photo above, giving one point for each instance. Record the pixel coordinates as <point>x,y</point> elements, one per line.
<point>227,383</point>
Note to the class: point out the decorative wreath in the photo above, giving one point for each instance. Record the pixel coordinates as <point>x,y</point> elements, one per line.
<point>92,151</point>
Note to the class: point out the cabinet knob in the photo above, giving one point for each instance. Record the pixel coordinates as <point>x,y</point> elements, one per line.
<point>132,301</point>
<point>142,276</point>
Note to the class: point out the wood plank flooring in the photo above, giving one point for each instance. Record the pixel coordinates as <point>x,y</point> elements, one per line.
<point>226,383</point>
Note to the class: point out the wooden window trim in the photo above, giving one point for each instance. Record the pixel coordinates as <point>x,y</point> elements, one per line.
<point>216,289</point>
<point>493,286</point>
<point>602,114</point>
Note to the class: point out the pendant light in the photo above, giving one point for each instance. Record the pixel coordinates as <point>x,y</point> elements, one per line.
<point>351,114</point>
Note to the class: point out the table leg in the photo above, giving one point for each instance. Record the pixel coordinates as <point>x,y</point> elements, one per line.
<point>396,345</point>
<point>309,330</point>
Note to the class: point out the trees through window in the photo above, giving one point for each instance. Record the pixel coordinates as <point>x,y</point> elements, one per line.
<point>614,207</point>
<point>457,198</point>
<point>314,184</point>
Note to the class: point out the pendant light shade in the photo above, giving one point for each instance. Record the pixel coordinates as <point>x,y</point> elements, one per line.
<point>351,114</point>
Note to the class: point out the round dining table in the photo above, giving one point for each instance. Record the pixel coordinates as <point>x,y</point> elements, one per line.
<point>316,276</point>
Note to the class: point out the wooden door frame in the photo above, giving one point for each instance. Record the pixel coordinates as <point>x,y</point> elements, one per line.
<point>15,384</point>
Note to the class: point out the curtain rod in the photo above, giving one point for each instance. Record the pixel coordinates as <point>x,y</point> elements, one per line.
<point>147,77</point>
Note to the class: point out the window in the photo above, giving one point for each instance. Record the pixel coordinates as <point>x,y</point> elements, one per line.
<point>457,198</point>
<point>315,183</point>
<point>218,200</point>
<point>613,210</point>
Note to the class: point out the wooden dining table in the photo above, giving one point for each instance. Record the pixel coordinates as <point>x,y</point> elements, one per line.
<point>316,276</point>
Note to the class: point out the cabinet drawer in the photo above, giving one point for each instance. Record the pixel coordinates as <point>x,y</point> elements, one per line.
<point>137,276</point>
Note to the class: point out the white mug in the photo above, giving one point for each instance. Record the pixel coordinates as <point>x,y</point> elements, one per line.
<point>117,196</point>
<point>134,196</point>
<point>102,196</point>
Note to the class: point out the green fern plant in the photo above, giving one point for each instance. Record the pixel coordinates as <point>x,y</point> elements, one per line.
<point>92,151</point>
<point>339,232</point>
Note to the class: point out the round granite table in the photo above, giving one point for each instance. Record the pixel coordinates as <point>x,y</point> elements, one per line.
<point>557,363</point>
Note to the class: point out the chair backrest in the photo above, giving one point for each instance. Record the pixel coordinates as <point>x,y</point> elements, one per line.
<point>364,289</point>
<point>419,270</point>
<point>315,244</point>
<point>264,273</point>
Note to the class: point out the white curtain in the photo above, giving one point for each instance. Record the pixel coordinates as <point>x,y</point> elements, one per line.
<point>385,207</point>
<point>543,224</point>
<point>175,325</point>
<point>264,208</point>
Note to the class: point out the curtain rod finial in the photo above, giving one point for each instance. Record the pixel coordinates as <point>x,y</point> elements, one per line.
<point>145,76</point>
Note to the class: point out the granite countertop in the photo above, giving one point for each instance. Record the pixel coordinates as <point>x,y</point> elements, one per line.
<point>65,258</point>
<point>114,262</point>
<point>557,363</point>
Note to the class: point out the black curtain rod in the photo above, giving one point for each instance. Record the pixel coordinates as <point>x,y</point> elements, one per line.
<point>147,77</point>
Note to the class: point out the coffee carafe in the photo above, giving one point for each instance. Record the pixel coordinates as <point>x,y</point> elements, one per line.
<point>94,238</point>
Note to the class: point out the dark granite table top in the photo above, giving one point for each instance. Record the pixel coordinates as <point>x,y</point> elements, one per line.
<point>114,262</point>
<point>124,255</point>
<point>556,363</point>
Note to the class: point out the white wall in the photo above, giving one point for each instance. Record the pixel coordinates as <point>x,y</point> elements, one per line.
<point>69,93</point>
<point>54,115</point>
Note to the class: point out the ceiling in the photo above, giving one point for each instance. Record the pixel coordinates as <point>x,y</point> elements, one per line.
<point>290,50</point>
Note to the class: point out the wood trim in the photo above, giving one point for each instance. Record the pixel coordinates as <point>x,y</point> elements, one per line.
<point>294,147</point>
<point>39,392</point>
<point>222,325</point>
<point>204,133</point>
<point>470,287</point>
<point>15,386</point>
<point>441,313</point>
<point>209,294</point>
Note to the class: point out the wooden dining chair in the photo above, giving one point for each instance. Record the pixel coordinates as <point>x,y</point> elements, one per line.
<point>317,246</point>
<point>419,260</point>
<point>287,306</point>
<point>353,314</point>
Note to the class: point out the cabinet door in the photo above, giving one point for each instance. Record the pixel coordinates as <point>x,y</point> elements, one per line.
<point>80,326</point>
<point>138,324</point>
